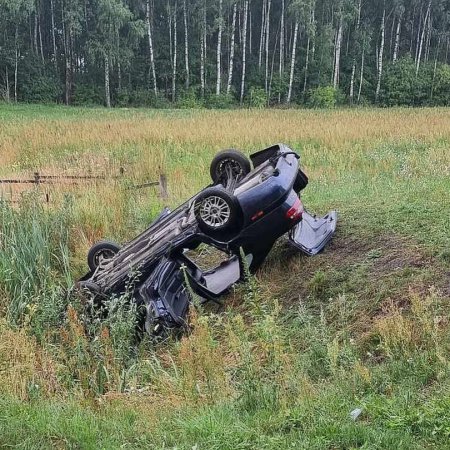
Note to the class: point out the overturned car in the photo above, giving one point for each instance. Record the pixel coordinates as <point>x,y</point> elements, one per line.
<point>249,205</point>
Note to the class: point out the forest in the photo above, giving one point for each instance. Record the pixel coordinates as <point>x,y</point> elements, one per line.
<point>225,53</point>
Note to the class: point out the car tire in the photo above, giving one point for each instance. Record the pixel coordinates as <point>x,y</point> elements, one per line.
<point>216,210</point>
<point>101,249</point>
<point>229,162</point>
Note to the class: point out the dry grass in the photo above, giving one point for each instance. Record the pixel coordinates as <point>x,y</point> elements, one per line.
<point>354,312</point>
<point>25,368</point>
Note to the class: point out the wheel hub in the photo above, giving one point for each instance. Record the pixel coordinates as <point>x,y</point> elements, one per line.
<point>215,211</point>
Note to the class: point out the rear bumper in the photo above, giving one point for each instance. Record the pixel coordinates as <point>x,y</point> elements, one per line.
<point>312,234</point>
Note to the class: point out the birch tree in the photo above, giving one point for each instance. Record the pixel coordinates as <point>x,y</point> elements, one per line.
<point>231,62</point>
<point>399,15</point>
<point>338,44</point>
<point>219,49</point>
<point>419,53</point>
<point>174,64</point>
<point>267,41</point>
<point>244,50</point>
<point>352,77</point>
<point>380,54</point>
<point>293,55</point>
<point>150,46</point>
<point>203,49</point>
<point>186,44</point>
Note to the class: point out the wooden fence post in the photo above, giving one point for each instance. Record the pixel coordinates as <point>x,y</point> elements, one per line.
<point>163,186</point>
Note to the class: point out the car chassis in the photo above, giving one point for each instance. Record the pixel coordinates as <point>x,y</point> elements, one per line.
<point>242,213</point>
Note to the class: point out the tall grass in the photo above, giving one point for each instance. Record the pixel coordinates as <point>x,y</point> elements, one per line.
<point>294,350</point>
<point>34,256</point>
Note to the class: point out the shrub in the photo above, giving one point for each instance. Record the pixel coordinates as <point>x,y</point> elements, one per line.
<point>257,98</point>
<point>441,86</point>
<point>88,95</point>
<point>222,101</point>
<point>39,85</point>
<point>323,97</point>
<point>189,100</point>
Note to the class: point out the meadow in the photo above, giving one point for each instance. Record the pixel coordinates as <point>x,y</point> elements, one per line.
<point>291,353</point>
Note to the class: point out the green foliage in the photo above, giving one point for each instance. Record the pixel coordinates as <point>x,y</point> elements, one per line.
<point>141,98</point>
<point>88,95</point>
<point>323,97</point>
<point>222,101</point>
<point>257,98</point>
<point>441,86</point>
<point>34,247</point>
<point>189,99</point>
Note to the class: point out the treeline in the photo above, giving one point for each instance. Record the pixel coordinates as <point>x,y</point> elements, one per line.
<point>218,53</point>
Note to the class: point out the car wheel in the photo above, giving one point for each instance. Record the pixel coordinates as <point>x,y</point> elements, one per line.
<point>229,166</point>
<point>216,210</point>
<point>101,251</point>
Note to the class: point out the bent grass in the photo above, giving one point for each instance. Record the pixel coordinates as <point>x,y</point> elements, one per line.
<point>294,351</point>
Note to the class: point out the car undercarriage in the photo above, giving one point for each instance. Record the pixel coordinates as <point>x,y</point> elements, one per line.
<point>241,214</point>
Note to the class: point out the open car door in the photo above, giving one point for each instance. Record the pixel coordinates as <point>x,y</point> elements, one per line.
<point>312,234</point>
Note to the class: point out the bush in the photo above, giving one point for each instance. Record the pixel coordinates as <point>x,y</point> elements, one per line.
<point>258,98</point>
<point>141,98</point>
<point>38,84</point>
<point>222,101</point>
<point>189,99</point>
<point>323,97</point>
<point>441,86</point>
<point>88,95</point>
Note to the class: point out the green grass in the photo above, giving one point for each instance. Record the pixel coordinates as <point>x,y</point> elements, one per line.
<point>363,325</point>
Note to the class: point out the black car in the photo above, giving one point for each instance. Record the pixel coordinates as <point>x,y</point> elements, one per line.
<point>242,213</point>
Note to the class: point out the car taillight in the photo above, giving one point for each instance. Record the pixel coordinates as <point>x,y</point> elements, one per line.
<point>295,211</point>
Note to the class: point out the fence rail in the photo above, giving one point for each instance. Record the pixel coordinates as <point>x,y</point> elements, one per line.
<point>75,179</point>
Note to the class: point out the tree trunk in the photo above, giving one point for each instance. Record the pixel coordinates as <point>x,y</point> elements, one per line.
<point>203,51</point>
<point>219,50</point>
<point>397,39</point>
<point>267,41</point>
<point>435,67</point>
<point>244,50</point>
<point>337,57</point>
<point>150,46</point>
<point>311,30</point>
<point>174,68</point>
<point>419,53</point>
<point>169,20</point>
<point>119,69</point>
<point>250,36</point>
<point>361,75</point>
<point>41,47</point>
<point>419,28</point>
<point>7,91</point>
<point>272,65</point>
<point>261,40</point>
<point>380,56</point>
<point>67,74</point>
<point>230,66</point>
<point>35,33</point>
<point>107,91</point>
<point>294,49</point>
<point>428,39</point>
<point>52,11</point>
<point>16,61</point>
<point>282,39</point>
<point>352,77</point>
<point>186,44</point>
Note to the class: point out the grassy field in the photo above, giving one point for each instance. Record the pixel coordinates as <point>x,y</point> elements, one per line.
<point>364,325</point>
